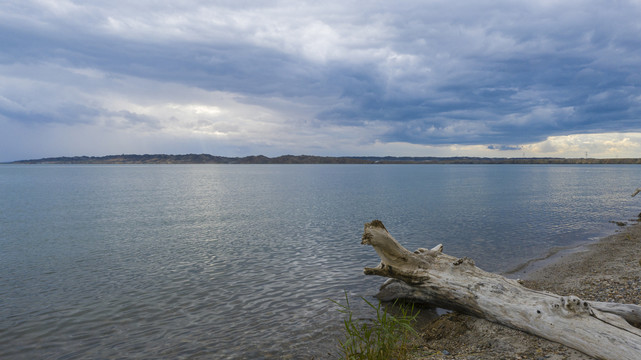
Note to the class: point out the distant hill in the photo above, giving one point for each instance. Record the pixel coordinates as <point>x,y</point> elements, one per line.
<point>310,159</point>
<point>193,159</point>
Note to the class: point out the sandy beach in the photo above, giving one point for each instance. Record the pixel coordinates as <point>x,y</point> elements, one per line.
<point>608,270</point>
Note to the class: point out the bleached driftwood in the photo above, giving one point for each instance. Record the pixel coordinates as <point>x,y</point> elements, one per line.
<point>430,276</point>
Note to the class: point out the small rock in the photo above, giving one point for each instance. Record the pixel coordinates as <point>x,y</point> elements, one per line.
<point>445,352</point>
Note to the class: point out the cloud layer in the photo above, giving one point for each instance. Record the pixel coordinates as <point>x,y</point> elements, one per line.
<point>318,77</point>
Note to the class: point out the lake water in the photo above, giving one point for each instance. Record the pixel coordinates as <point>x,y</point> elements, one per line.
<point>238,261</point>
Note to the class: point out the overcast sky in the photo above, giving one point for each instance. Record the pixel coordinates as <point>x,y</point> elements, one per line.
<point>237,78</point>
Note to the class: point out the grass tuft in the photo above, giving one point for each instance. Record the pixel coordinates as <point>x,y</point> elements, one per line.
<point>383,338</point>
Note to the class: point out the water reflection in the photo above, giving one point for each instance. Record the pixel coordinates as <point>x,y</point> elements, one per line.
<point>239,262</point>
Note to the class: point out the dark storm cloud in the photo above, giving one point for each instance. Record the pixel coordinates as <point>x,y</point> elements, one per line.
<point>226,67</point>
<point>499,73</point>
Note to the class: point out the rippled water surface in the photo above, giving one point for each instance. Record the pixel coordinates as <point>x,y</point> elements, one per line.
<point>238,261</point>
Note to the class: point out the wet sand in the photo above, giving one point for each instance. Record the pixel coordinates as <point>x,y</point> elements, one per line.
<point>608,270</point>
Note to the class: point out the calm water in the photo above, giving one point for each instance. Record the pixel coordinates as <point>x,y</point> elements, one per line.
<point>238,261</point>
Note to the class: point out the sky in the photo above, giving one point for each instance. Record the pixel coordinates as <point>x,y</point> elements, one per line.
<point>403,78</point>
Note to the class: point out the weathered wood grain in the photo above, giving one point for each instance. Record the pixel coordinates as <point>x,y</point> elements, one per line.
<point>601,330</point>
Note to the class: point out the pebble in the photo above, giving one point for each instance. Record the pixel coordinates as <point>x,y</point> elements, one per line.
<point>617,278</point>
<point>608,290</point>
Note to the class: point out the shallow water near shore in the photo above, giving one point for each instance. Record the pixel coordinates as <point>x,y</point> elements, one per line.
<point>239,261</point>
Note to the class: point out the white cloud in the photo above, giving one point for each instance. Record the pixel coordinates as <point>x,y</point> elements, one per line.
<point>606,145</point>
<point>328,77</point>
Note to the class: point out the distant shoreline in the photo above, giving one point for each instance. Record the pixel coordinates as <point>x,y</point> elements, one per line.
<point>311,159</point>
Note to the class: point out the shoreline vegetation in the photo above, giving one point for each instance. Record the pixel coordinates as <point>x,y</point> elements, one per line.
<point>311,159</point>
<point>608,270</point>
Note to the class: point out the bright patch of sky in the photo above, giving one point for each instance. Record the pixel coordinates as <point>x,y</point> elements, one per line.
<point>237,78</point>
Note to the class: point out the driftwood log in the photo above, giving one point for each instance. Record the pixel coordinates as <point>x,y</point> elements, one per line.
<point>601,330</point>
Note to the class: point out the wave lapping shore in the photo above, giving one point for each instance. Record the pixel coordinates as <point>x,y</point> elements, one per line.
<point>608,270</point>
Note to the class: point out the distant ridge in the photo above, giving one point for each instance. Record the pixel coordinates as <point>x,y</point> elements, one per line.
<point>193,159</point>
<point>310,159</point>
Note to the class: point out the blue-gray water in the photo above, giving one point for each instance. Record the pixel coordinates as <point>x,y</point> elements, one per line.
<point>238,261</point>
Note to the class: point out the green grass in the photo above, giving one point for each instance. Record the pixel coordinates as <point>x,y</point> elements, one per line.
<point>385,337</point>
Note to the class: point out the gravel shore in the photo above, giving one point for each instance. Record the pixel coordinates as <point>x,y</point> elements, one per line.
<point>609,270</point>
